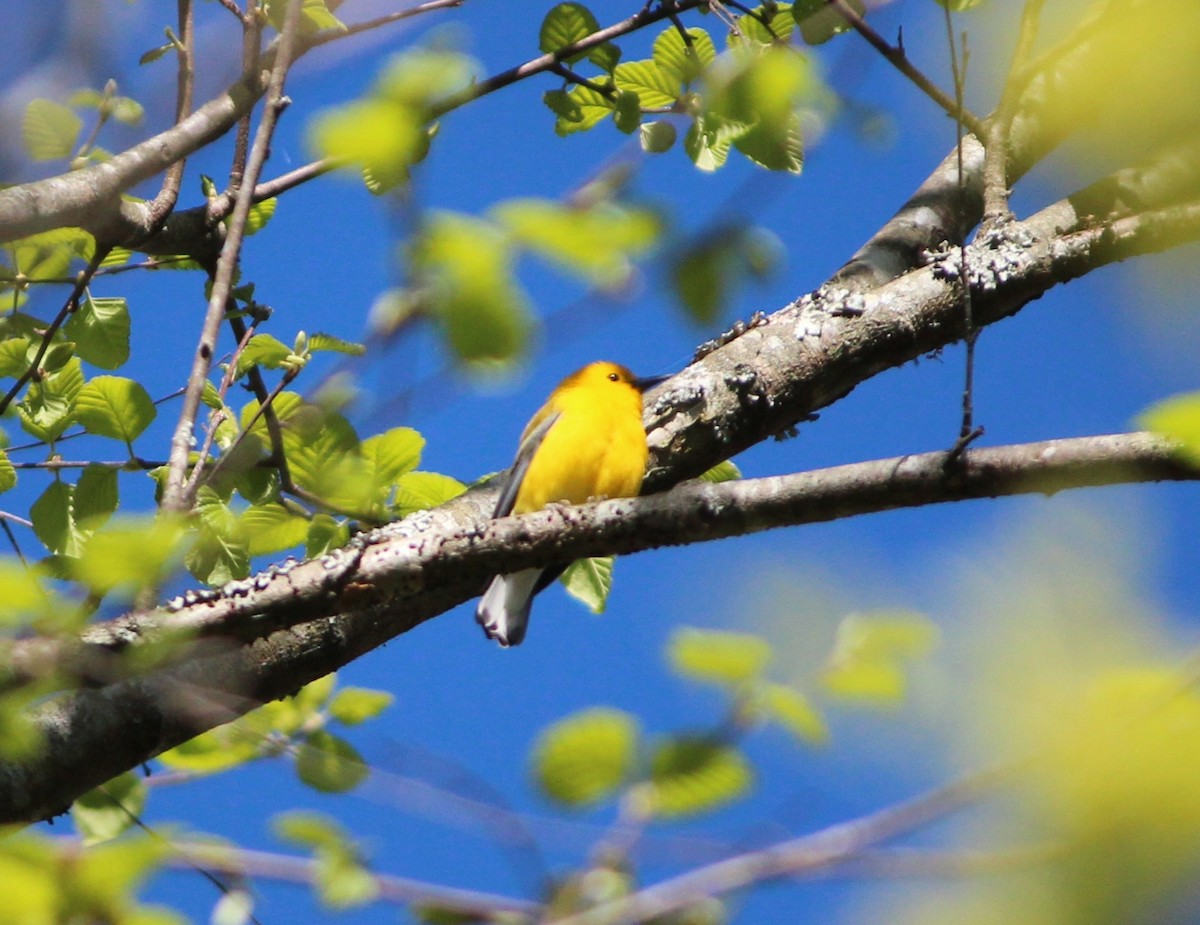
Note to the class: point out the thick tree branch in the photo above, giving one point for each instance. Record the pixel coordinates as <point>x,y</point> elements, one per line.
<point>311,618</point>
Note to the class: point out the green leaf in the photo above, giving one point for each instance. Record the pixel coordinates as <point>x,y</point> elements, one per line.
<point>683,61</point>
<point>324,534</point>
<point>8,474</point>
<point>775,150</point>
<point>116,407</point>
<point>341,880</point>
<point>656,137</point>
<point>466,266</point>
<point>598,242</point>
<point>752,28</point>
<point>605,56</point>
<point>100,330</point>
<point>95,497</point>
<point>793,711</point>
<point>1178,420</point>
<point>628,113</point>
<point>584,758</point>
<point>328,342</point>
<point>355,705</point>
<point>330,764</point>
<point>871,651</point>
<point>655,87</point>
<point>709,139</point>
<point>420,491</point>
<point>819,22</point>
<point>725,471</point>
<point>579,109</point>
<point>48,254</point>
<point>393,453</point>
<point>102,814</point>
<point>695,774</point>
<point>221,552</point>
<point>263,350</point>
<point>154,54</point>
<point>589,581</point>
<point>260,214</point>
<point>272,528</point>
<point>314,16</point>
<point>14,356</point>
<point>49,406</point>
<point>53,522</point>
<point>718,657</point>
<point>564,25</point>
<point>50,130</point>
<point>959,6</point>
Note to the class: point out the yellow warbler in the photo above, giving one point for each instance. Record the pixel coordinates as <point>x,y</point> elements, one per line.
<point>586,442</point>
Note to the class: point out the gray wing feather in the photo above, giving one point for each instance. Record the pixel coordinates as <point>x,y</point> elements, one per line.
<point>529,446</point>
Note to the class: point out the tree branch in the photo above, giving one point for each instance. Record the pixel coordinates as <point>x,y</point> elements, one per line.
<point>310,618</point>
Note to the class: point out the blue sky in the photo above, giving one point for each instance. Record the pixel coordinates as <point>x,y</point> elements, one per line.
<point>1080,361</point>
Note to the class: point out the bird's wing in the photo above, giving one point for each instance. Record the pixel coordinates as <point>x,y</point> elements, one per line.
<point>530,442</point>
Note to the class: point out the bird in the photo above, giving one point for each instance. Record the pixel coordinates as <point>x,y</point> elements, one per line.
<point>586,442</point>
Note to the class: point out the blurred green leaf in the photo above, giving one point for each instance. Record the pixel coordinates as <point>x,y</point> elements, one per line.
<point>465,264</point>
<point>585,757</point>
<point>104,813</point>
<point>131,553</point>
<point>793,711</point>
<point>598,242</point>
<point>100,330</point>
<point>354,705</point>
<point>50,130</point>
<point>871,652</point>
<point>695,774</point>
<point>329,764</point>
<point>1177,419</point>
<point>589,581</point>
<point>718,657</point>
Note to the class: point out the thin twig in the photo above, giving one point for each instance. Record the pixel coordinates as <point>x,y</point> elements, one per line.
<point>967,432</point>
<point>997,147</point>
<point>12,537</point>
<point>366,26</point>
<point>175,497</point>
<point>185,52</point>
<point>896,55</point>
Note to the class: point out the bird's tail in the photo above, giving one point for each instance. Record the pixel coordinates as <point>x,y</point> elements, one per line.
<point>503,610</point>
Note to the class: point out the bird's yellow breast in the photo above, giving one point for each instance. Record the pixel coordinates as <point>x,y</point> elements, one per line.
<point>595,449</point>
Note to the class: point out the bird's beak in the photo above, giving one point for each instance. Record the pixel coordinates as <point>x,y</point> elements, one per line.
<point>642,384</point>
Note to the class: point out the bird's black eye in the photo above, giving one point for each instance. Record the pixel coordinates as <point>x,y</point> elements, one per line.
<point>613,377</point>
